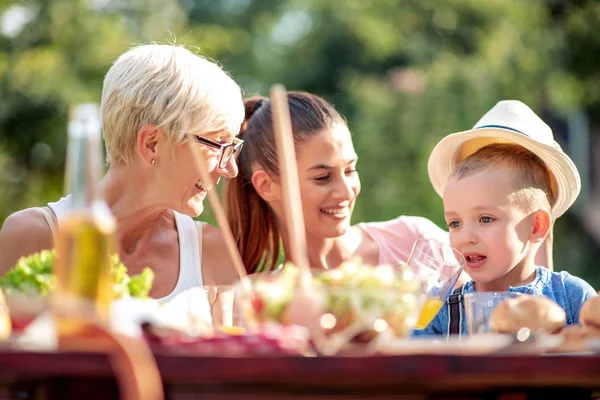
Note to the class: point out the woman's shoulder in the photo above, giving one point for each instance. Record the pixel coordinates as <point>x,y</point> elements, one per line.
<point>217,265</point>
<point>24,221</point>
<point>23,232</point>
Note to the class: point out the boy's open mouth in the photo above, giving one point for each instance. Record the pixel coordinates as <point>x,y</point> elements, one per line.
<point>475,260</point>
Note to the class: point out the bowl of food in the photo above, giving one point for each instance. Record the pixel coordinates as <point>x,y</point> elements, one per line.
<point>28,286</point>
<point>353,305</point>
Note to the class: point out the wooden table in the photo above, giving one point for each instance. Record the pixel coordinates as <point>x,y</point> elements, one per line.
<point>88,376</point>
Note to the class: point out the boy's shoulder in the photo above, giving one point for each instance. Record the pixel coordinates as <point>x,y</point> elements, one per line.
<point>569,291</point>
<point>568,281</point>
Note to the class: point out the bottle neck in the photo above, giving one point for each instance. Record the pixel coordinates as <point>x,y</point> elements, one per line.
<point>84,154</point>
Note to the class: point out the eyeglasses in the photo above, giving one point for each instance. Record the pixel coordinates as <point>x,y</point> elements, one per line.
<point>228,150</point>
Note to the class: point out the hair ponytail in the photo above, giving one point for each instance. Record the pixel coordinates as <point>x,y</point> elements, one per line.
<point>253,226</point>
<point>251,106</point>
<point>252,223</point>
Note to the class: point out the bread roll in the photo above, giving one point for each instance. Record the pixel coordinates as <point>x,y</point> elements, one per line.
<point>589,315</point>
<point>578,332</point>
<point>538,313</point>
<point>574,338</point>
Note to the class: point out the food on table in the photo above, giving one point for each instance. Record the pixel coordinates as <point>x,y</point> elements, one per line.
<point>365,297</point>
<point>137,286</point>
<point>356,292</point>
<point>34,274</point>
<point>574,338</point>
<point>305,309</point>
<point>273,293</point>
<point>31,274</point>
<point>29,282</point>
<point>578,332</point>
<point>270,339</point>
<point>537,313</point>
<point>589,315</point>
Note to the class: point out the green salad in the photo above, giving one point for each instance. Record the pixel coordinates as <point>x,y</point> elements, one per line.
<point>33,273</point>
<point>353,292</point>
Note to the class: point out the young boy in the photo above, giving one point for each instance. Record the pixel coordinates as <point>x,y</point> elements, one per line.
<point>499,202</point>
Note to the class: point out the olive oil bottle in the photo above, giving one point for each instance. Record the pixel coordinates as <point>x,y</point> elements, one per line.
<point>86,235</point>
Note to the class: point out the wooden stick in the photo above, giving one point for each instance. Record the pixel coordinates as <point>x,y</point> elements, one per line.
<point>292,203</point>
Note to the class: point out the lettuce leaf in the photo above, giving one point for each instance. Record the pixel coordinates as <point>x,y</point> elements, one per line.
<point>34,273</point>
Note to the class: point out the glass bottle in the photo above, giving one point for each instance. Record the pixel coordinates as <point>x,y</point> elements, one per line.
<point>86,236</point>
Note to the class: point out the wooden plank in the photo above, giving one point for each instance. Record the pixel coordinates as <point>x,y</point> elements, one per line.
<point>406,374</point>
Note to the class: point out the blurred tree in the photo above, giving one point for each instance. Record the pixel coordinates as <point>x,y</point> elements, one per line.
<point>53,54</point>
<point>405,73</point>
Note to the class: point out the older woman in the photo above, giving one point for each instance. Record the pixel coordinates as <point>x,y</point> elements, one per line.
<point>155,99</point>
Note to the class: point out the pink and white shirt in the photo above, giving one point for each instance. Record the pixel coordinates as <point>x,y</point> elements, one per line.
<point>395,238</point>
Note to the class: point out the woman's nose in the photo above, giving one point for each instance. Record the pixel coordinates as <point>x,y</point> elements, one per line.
<point>230,170</point>
<point>346,189</point>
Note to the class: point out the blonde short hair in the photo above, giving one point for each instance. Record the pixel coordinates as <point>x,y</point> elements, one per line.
<point>170,87</point>
<point>532,185</point>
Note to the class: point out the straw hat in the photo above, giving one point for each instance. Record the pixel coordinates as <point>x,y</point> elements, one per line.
<point>509,121</point>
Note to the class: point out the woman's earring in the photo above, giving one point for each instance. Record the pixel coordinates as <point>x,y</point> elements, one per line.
<point>153,162</point>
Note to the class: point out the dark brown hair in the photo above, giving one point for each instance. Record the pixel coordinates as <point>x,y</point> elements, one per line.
<point>250,217</point>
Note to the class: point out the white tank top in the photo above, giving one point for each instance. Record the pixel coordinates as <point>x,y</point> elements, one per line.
<point>190,247</point>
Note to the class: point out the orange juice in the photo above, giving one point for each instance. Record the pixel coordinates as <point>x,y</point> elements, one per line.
<point>431,308</point>
<point>232,330</point>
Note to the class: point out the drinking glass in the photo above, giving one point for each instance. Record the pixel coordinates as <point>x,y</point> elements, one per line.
<point>440,266</point>
<point>213,305</point>
<point>479,307</point>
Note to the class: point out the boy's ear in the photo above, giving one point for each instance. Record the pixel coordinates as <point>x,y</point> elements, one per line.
<point>541,225</point>
<point>266,188</point>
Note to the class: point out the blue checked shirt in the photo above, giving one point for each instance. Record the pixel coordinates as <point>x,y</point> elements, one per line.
<point>566,290</point>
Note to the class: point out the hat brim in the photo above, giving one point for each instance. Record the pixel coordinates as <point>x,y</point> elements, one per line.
<point>454,148</point>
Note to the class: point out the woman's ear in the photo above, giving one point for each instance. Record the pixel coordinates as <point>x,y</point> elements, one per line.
<point>147,144</point>
<point>266,188</point>
<point>541,225</point>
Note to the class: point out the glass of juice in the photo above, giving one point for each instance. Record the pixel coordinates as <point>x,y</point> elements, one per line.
<point>216,305</point>
<point>440,266</point>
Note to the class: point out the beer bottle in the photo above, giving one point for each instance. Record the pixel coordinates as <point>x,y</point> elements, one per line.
<point>86,234</point>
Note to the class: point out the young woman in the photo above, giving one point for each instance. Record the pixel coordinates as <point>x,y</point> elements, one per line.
<point>329,186</point>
